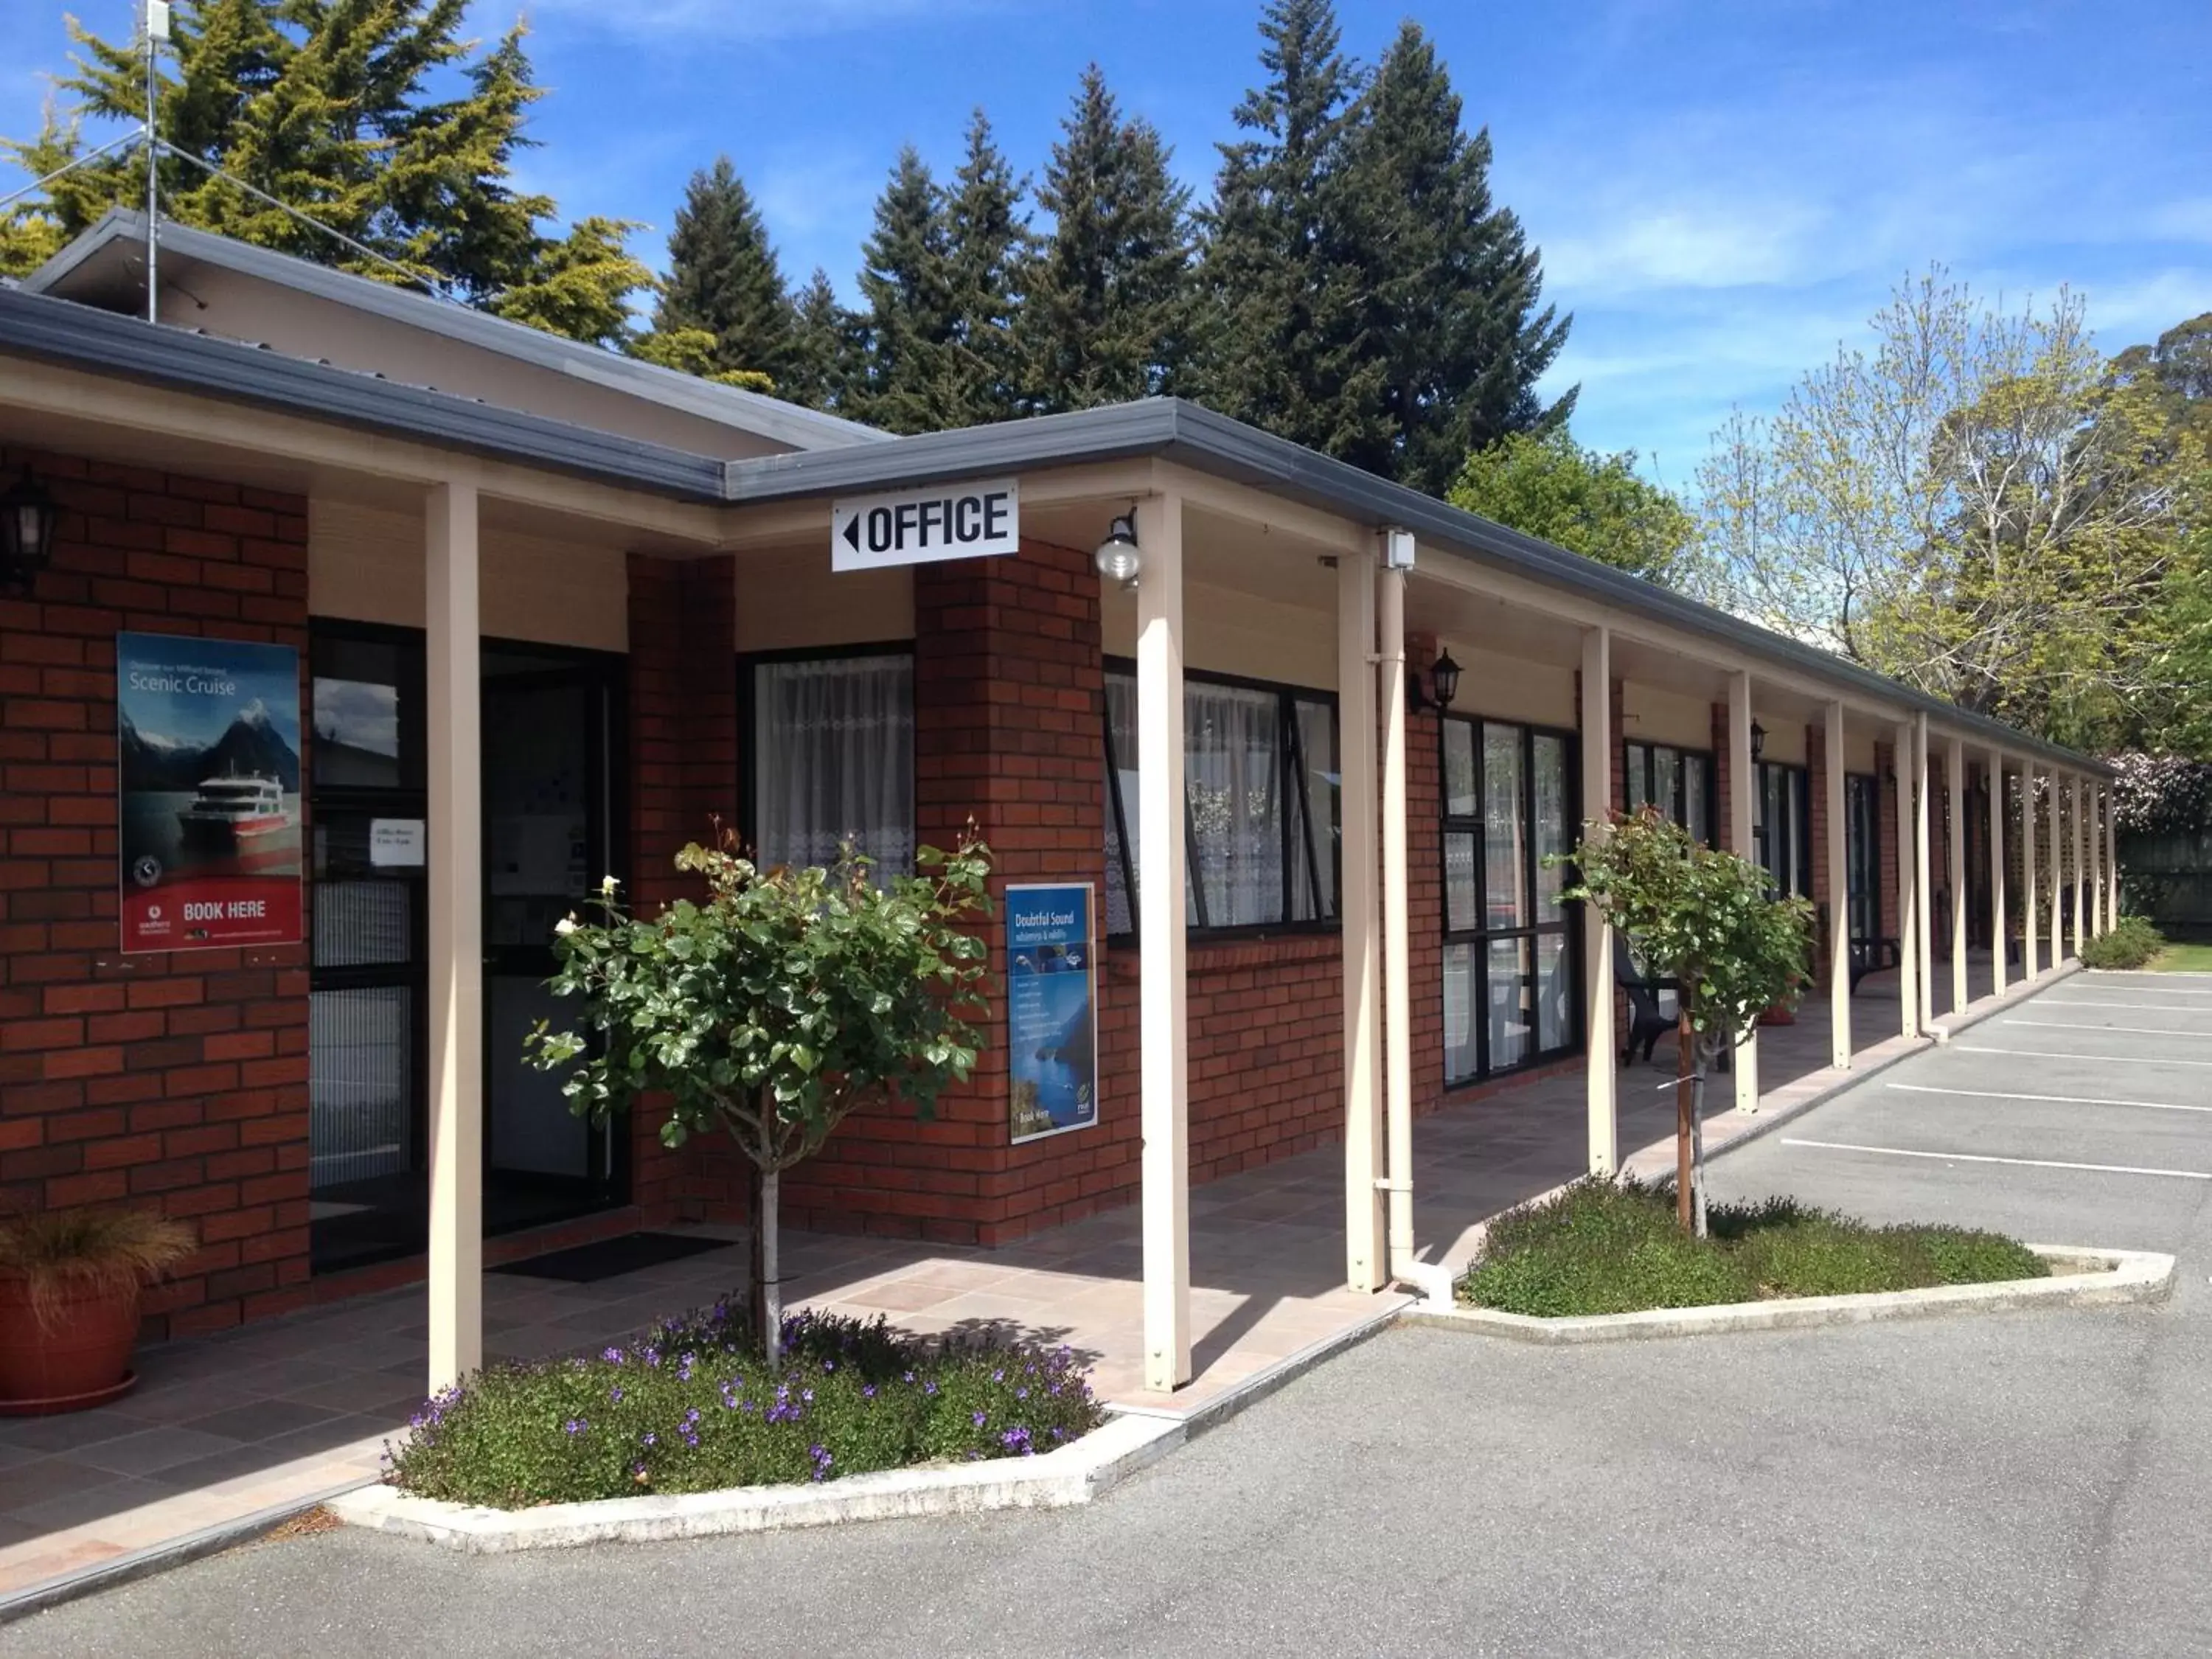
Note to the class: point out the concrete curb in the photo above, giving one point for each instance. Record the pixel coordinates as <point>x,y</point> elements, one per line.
<point>1071,1474</point>
<point>1950,1025</point>
<point>2117,1276</point>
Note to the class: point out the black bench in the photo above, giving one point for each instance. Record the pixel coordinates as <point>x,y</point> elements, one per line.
<point>1872,955</point>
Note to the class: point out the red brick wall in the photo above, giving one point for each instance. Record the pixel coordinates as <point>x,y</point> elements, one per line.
<point>1723,784</point>
<point>1885,766</point>
<point>174,1080</point>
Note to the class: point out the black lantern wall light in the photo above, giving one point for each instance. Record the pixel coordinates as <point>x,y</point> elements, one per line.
<point>27,533</point>
<point>1443,681</point>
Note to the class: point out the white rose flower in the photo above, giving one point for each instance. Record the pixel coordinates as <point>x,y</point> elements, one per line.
<point>566,925</point>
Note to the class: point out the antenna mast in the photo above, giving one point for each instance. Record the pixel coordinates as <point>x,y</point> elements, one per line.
<point>156,26</point>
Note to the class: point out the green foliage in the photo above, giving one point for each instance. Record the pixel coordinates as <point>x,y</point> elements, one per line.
<point>336,110</point>
<point>2131,944</point>
<point>825,348</point>
<point>791,996</point>
<point>1106,314</point>
<point>1599,1246</point>
<point>1708,919</point>
<point>690,1407</point>
<point>722,304</point>
<point>1546,484</point>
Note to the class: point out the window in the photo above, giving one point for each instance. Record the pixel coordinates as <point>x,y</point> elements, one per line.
<point>832,757</point>
<point>1678,782</point>
<point>1782,828</point>
<point>1510,968</point>
<point>1260,788</point>
<point>1863,853</point>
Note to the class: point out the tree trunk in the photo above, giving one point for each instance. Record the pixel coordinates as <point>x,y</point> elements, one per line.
<point>1685,1048</point>
<point>1697,1148</point>
<point>770,1297</point>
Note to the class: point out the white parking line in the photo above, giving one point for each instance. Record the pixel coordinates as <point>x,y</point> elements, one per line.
<point>1984,1157</point>
<point>2120,1030</point>
<point>2047,1100</point>
<point>2047,1053</point>
<point>2131,1007</point>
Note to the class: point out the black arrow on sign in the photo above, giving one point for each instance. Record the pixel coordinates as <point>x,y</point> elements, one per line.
<point>853,532</point>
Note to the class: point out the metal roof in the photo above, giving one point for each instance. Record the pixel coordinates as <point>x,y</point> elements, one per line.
<point>41,326</point>
<point>732,406</point>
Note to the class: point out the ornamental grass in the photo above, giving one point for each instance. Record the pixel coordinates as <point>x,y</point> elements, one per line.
<point>1602,1247</point>
<point>692,1408</point>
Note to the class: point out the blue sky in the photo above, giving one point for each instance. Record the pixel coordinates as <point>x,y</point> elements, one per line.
<point>1723,189</point>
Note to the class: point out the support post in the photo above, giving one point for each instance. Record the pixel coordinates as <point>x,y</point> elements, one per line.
<point>2111,857</point>
<point>1598,738</point>
<point>1954,837</point>
<point>1397,935</point>
<point>1164,1062</point>
<point>1908,924</point>
<point>2031,880</point>
<point>1839,924</point>
<point>1743,776</point>
<point>1925,941</point>
<point>454,784</point>
<point>2097,856</point>
<point>2057,880</point>
<point>1366,1267</point>
<point>2081,872</point>
<point>1999,921</point>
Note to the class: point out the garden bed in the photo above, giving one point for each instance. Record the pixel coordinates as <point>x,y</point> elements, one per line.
<point>691,1407</point>
<point>1601,1247</point>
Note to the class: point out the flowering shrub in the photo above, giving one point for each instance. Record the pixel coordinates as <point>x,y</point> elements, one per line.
<point>2161,795</point>
<point>691,1407</point>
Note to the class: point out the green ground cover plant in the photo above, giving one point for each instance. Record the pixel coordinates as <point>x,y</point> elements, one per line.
<point>691,1406</point>
<point>2132,943</point>
<point>1601,1246</point>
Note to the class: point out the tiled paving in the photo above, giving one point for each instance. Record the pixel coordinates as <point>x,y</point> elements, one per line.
<point>225,1426</point>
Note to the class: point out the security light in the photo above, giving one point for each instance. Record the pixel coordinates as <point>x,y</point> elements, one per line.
<point>26,533</point>
<point>1116,557</point>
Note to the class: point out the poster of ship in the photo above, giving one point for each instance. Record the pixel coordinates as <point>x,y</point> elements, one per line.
<point>208,747</point>
<point>1052,997</point>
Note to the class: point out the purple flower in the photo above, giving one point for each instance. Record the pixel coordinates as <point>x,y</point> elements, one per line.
<point>1016,1439</point>
<point>613,1355</point>
<point>929,1387</point>
<point>868,1393</point>
<point>649,1438</point>
<point>614,1394</point>
<point>575,1425</point>
<point>980,1418</point>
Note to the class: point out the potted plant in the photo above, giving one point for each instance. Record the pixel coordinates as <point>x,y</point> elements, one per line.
<point>70,1286</point>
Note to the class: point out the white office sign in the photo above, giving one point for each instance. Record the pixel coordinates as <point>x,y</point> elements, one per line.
<point>395,844</point>
<point>916,526</point>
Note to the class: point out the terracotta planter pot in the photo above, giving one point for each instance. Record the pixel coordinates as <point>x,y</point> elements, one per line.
<point>1779,1015</point>
<point>79,1357</point>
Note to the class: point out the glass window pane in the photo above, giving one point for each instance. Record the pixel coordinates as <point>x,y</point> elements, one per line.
<point>1233,756</point>
<point>363,913</point>
<point>1509,997</point>
<point>1555,992</point>
<point>1697,774</point>
<point>1462,909</point>
<point>1637,788</point>
<point>833,759</point>
<point>366,697</point>
<point>1461,1059</point>
<point>1121,776</point>
<point>1555,833</point>
<point>1506,832</point>
<point>359,1075</point>
<point>1667,782</point>
<point>1458,769</point>
<point>1314,844</point>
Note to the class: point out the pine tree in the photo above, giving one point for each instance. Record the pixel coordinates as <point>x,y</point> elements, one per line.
<point>326,105</point>
<point>987,247</point>
<point>1107,312</point>
<point>724,282</point>
<point>1282,312</point>
<point>906,316</point>
<point>1450,287</point>
<point>825,348</point>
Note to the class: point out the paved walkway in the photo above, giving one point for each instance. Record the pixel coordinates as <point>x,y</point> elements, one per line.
<point>1993,1484</point>
<point>226,1426</point>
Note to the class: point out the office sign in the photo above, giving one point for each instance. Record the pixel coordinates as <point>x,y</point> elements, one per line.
<point>208,778</point>
<point>916,526</point>
<point>1052,1002</point>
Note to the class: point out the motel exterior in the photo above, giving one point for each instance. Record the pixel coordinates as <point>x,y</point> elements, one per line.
<point>589,607</point>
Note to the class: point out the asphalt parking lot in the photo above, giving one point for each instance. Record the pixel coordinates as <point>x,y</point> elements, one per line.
<point>2030,1483</point>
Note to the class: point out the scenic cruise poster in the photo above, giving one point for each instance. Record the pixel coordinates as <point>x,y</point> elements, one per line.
<point>1052,999</point>
<point>208,777</point>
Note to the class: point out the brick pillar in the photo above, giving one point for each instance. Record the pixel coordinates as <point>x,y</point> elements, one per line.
<point>1831,904</point>
<point>1885,766</point>
<point>1724,781</point>
<point>174,1081</point>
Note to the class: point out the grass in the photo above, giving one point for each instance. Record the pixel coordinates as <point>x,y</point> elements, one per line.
<point>2183,959</point>
<point>693,1408</point>
<point>1602,1247</point>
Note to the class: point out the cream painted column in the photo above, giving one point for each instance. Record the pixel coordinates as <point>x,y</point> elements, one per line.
<point>2057,879</point>
<point>1397,924</point>
<point>1999,919</point>
<point>1839,898</point>
<point>1924,939</point>
<point>2081,871</point>
<point>2097,855</point>
<point>455,785</point>
<point>1743,776</point>
<point>2111,856</point>
<point>1955,823</point>
<point>2031,884</point>
<point>1164,1044</point>
<point>1365,1266</point>
<point>1598,738</point>
<point>1908,921</point>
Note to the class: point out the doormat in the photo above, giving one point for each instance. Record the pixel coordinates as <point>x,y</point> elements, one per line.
<point>587,1264</point>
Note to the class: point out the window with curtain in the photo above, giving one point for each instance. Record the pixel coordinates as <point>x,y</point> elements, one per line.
<point>1678,782</point>
<point>1781,826</point>
<point>1862,853</point>
<point>1510,956</point>
<point>1260,806</point>
<point>833,758</point>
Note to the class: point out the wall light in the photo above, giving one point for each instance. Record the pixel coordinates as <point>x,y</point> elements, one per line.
<point>1117,558</point>
<point>1758,740</point>
<point>1444,675</point>
<point>26,533</point>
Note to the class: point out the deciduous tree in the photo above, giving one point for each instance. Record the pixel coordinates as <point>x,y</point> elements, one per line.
<point>1547,485</point>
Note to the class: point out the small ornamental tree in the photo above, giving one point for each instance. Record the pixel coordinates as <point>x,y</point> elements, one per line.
<point>1710,921</point>
<point>772,1011</point>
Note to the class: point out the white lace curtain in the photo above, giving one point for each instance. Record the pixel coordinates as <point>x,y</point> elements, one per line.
<point>834,759</point>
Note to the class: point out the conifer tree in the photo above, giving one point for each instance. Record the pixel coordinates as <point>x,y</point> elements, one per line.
<point>986,246</point>
<point>1107,312</point>
<point>906,320</point>
<point>328,107</point>
<point>723,280</point>
<point>825,348</point>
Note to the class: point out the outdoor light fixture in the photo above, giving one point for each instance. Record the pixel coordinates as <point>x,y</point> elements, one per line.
<point>26,533</point>
<point>1116,557</point>
<point>1758,740</point>
<point>1444,675</point>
